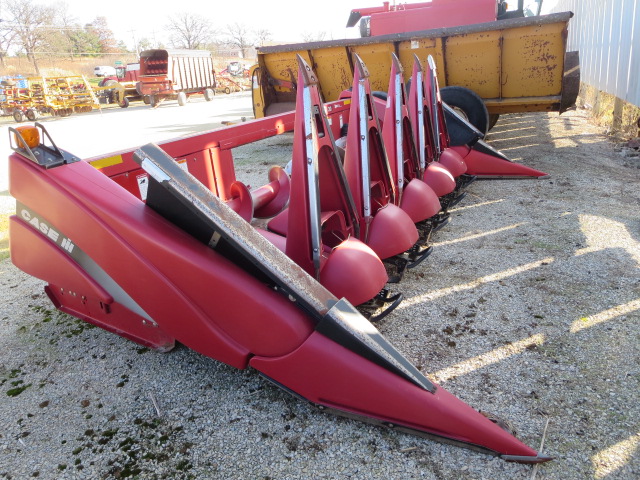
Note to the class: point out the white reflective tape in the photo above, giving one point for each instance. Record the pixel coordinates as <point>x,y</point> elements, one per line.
<point>153,170</point>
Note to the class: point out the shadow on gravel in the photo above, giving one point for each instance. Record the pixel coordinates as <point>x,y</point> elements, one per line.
<point>528,306</point>
<point>567,286</point>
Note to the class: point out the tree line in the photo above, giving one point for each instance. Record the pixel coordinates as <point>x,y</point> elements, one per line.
<point>39,29</point>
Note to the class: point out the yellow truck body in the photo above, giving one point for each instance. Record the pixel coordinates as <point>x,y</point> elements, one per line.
<point>514,65</point>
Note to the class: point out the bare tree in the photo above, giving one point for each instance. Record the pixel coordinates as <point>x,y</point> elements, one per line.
<point>313,36</point>
<point>64,39</point>
<point>262,35</point>
<point>239,36</point>
<point>68,37</point>
<point>32,24</point>
<point>190,31</point>
<point>7,37</point>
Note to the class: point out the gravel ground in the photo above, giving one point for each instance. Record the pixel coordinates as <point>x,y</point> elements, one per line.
<point>528,308</point>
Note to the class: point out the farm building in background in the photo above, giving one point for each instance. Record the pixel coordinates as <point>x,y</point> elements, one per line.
<point>607,35</point>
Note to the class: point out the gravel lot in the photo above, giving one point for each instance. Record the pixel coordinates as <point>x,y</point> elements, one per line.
<point>528,308</point>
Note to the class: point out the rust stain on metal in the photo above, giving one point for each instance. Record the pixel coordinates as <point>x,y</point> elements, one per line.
<point>527,52</point>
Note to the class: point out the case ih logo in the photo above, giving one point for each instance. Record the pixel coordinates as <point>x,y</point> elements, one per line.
<point>46,229</point>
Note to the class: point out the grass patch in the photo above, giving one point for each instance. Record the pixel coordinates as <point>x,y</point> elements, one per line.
<point>14,392</point>
<point>602,111</point>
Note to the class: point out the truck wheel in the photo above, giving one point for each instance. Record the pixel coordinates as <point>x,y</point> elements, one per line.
<point>18,116</point>
<point>493,119</point>
<point>110,94</point>
<point>208,94</point>
<point>182,99</point>
<point>153,101</point>
<point>124,103</point>
<point>365,27</point>
<point>32,114</point>
<point>146,99</point>
<point>467,103</point>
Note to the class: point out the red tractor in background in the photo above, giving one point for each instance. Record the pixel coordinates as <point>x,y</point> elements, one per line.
<point>409,17</point>
<point>124,83</point>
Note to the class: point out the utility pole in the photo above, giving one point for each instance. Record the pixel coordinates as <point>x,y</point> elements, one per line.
<point>135,43</point>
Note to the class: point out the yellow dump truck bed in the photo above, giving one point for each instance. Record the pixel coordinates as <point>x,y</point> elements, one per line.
<point>515,65</point>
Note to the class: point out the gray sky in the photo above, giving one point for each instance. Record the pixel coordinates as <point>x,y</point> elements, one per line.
<point>287,20</point>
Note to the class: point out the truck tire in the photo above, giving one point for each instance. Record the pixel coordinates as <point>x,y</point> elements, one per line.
<point>182,99</point>
<point>153,101</point>
<point>208,94</point>
<point>365,27</point>
<point>146,99</point>
<point>493,119</point>
<point>18,116</point>
<point>32,114</point>
<point>227,90</point>
<point>469,104</point>
<point>109,94</point>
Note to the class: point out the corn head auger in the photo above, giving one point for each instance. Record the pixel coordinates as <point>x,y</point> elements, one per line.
<point>175,216</point>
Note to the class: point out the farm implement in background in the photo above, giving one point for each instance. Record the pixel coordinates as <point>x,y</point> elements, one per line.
<point>175,74</point>
<point>56,96</point>
<point>485,69</point>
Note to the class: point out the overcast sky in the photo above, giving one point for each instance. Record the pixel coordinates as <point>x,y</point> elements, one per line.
<point>287,20</point>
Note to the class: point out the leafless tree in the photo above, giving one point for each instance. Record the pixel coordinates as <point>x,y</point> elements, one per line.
<point>262,35</point>
<point>190,31</point>
<point>313,36</point>
<point>239,36</point>
<point>32,24</point>
<point>7,37</point>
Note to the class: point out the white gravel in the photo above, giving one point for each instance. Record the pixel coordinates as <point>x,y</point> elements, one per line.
<point>528,308</point>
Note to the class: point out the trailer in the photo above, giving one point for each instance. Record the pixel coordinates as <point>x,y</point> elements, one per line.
<point>507,66</point>
<point>175,74</point>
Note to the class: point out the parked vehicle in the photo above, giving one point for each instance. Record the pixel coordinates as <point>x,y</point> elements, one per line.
<point>124,85</point>
<point>409,17</point>
<point>175,74</point>
<point>487,69</point>
<point>104,71</point>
